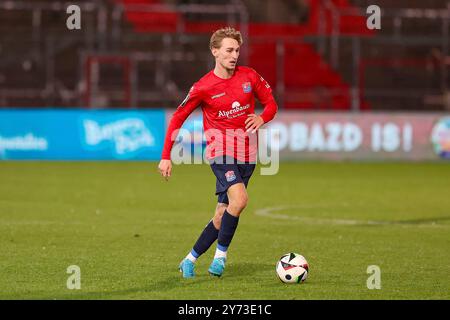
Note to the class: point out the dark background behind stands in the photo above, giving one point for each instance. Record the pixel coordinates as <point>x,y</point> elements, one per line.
<point>317,54</point>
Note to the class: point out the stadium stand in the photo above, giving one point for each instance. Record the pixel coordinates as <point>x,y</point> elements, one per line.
<point>317,54</point>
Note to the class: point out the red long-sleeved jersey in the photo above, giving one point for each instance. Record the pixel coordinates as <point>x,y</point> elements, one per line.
<point>225,104</point>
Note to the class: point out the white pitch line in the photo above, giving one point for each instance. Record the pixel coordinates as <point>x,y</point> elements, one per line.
<point>270,213</point>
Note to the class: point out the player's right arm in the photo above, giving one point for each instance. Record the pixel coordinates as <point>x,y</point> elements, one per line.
<point>189,104</point>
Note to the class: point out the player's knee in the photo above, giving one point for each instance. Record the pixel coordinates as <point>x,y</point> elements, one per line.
<point>217,219</point>
<point>240,202</point>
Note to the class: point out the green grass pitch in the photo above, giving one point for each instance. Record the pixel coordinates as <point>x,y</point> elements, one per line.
<point>127,229</point>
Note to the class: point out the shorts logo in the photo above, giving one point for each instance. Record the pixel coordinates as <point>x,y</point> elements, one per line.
<point>247,87</point>
<point>230,176</point>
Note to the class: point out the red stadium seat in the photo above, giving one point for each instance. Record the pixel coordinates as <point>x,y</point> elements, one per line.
<point>304,68</point>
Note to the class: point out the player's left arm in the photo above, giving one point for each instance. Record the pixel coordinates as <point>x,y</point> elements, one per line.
<point>263,93</point>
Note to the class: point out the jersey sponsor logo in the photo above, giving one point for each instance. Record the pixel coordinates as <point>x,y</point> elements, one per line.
<point>247,87</point>
<point>218,95</point>
<point>230,176</point>
<point>236,111</point>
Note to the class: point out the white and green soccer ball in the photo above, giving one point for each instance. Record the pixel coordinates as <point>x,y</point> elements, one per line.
<point>292,268</point>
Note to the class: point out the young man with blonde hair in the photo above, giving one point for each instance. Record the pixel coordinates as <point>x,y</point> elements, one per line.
<point>226,95</point>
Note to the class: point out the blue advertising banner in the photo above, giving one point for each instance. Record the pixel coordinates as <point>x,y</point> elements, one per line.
<point>82,134</point>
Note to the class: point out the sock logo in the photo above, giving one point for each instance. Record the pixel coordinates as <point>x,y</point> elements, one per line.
<point>230,176</point>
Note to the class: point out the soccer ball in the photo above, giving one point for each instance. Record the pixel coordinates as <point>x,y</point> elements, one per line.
<point>292,268</point>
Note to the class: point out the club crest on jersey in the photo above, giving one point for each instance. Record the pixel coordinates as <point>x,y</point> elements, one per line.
<point>230,176</point>
<point>247,87</point>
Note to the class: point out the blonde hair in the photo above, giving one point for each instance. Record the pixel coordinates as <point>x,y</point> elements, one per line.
<point>219,35</point>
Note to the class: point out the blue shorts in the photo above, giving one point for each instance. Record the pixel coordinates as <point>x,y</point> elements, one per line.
<point>229,173</point>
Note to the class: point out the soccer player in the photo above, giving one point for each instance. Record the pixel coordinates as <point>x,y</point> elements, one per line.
<point>226,95</point>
